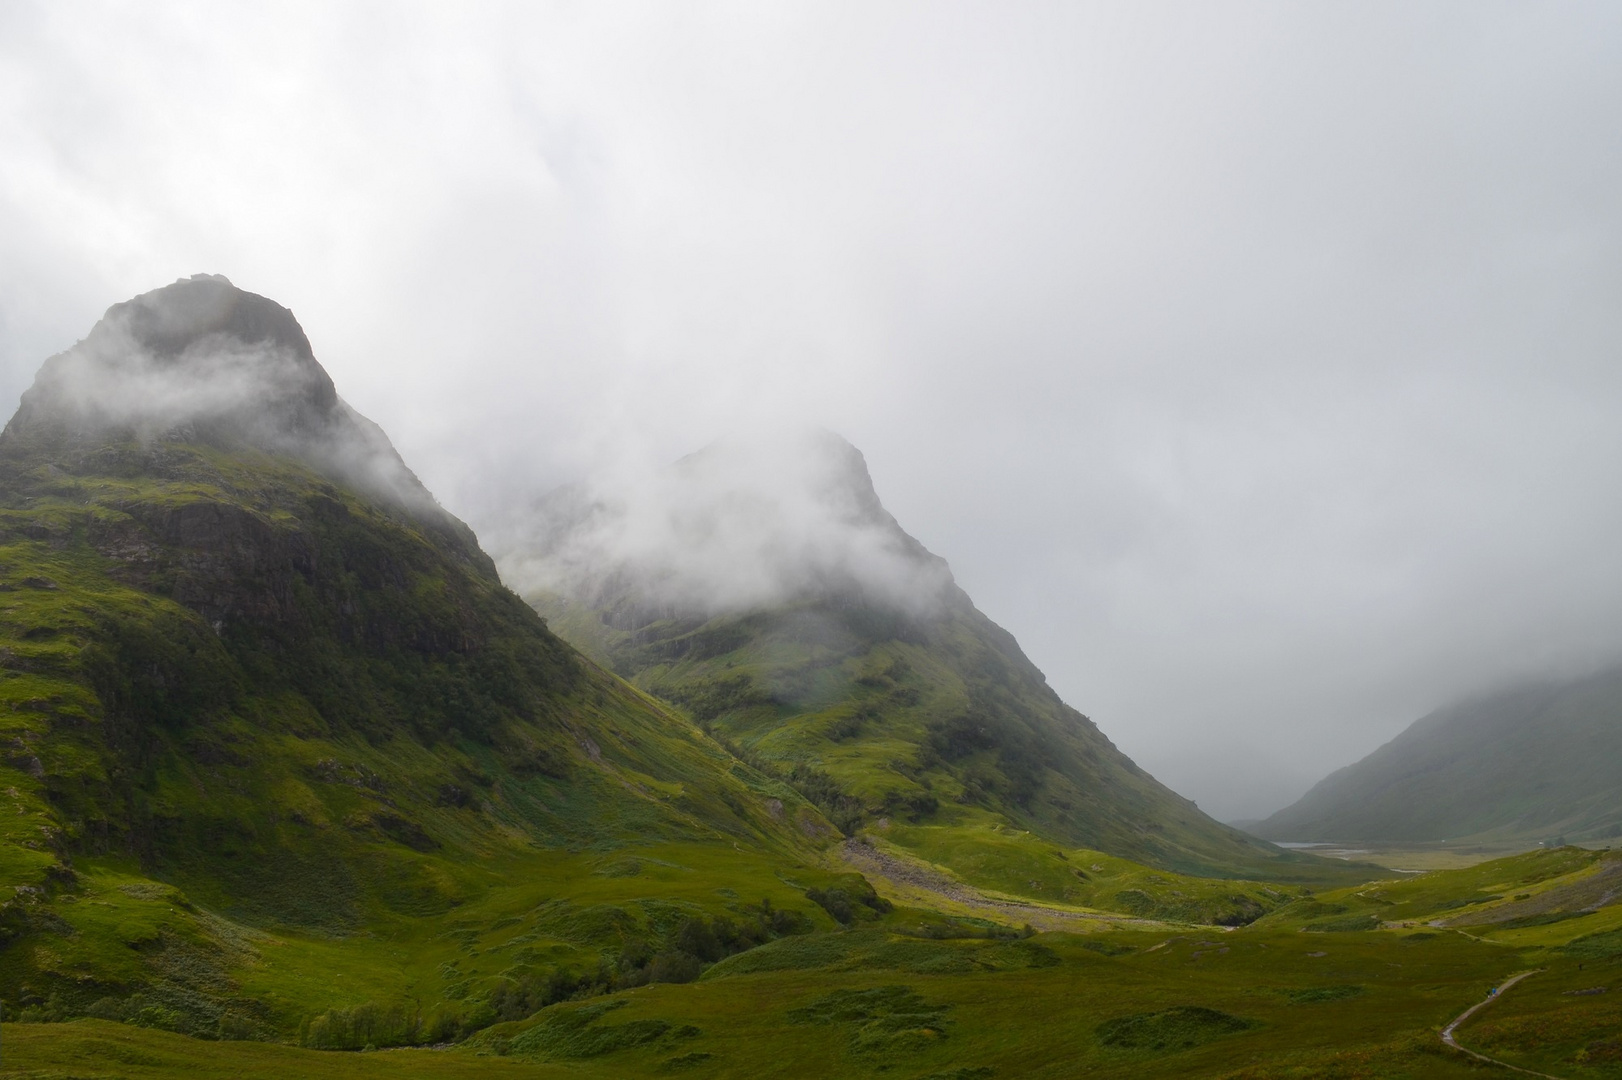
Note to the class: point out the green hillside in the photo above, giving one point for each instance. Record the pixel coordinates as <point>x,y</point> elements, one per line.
<point>268,720</point>
<point>1540,763</point>
<point>883,694</point>
<point>284,760</point>
<point>292,785</point>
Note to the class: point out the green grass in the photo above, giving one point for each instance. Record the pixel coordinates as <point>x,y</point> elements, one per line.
<point>993,856</point>
<point>1250,1002</point>
<point>1547,1023</point>
<point>1470,897</point>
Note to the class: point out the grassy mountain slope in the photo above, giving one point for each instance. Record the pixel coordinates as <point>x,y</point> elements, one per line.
<point>260,710</point>
<point>1533,764</point>
<point>281,757</point>
<point>886,696</point>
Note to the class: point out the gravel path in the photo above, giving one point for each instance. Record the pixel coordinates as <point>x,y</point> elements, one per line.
<point>912,875</point>
<point>1499,991</point>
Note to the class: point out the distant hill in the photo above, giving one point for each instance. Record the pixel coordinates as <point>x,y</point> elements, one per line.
<point>1536,763</point>
<point>761,585</point>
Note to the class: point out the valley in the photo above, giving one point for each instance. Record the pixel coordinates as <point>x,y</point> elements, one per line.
<point>294,783</point>
<point>1300,993</point>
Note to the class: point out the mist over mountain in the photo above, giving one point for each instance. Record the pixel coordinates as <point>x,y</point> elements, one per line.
<point>748,522</point>
<point>203,361</point>
<point>761,584</point>
<point>1538,762</point>
<point>1258,365</point>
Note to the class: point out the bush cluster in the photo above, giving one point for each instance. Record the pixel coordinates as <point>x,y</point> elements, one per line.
<point>850,903</point>
<point>699,941</point>
<point>679,956</point>
<point>369,1025</point>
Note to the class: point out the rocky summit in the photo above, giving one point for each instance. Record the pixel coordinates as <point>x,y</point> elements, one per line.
<point>203,362</point>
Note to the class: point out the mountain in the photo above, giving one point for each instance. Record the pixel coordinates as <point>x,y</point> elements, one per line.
<point>1539,762</point>
<point>265,705</point>
<point>761,585</point>
<point>285,768</point>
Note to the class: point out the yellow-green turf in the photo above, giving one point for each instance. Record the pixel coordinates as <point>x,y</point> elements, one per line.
<point>1369,1006</point>
<point>1270,1000</point>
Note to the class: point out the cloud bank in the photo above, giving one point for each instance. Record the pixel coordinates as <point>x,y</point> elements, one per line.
<point>1255,364</point>
<point>753,521</point>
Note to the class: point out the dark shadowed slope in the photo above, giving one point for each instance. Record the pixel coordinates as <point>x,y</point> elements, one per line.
<point>763,587</point>
<point>1531,764</point>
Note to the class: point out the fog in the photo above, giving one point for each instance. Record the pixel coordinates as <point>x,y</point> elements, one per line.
<point>1256,365</point>
<point>201,360</point>
<point>758,519</point>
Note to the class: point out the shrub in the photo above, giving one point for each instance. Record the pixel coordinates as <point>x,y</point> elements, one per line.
<point>352,1029</point>
<point>1181,1028</point>
<point>853,901</point>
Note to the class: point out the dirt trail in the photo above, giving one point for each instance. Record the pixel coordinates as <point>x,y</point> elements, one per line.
<point>909,875</point>
<point>1498,992</point>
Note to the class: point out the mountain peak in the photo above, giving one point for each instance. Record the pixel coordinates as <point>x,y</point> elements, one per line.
<point>749,521</point>
<point>818,464</point>
<point>200,355</point>
<point>203,361</point>
<point>173,319</point>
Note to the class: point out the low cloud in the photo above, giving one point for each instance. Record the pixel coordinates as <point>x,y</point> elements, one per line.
<point>201,360</point>
<point>748,522</point>
<point>1255,364</point>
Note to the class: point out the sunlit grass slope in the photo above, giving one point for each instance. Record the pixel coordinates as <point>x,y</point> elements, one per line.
<point>934,729</point>
<point>1005,860</point>
<point>1533,899</point>
<point>1285,997</point>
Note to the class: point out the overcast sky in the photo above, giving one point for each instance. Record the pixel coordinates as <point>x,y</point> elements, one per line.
<point>1258,365</point>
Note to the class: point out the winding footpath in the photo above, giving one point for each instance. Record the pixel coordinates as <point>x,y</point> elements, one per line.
<point>1498,992</point>
<point>922,881</point>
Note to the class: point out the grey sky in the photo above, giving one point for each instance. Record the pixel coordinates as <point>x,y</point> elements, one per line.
<point>1258,365</point>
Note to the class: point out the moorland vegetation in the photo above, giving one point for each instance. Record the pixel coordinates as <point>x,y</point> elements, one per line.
<point>294,785</point>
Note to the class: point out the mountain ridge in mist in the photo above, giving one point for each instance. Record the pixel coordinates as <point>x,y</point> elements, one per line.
<point>1535,762</point>
<point>761,585</point>
<point>743,523</point>
<point>203,361</point>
